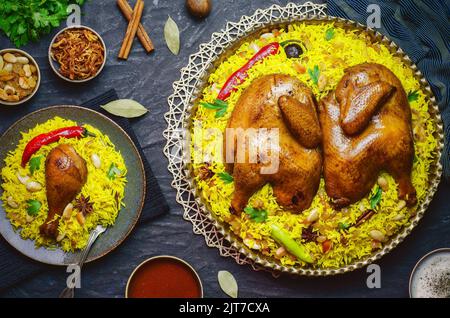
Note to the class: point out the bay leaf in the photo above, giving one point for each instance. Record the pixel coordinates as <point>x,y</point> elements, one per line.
<point>127,108</point>
<point>172,36</point>
<point>228,283</point>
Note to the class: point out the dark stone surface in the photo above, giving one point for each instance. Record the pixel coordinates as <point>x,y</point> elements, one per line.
<point>148,79</point>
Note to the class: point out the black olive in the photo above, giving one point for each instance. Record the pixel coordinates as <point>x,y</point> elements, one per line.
<point>293,50</point>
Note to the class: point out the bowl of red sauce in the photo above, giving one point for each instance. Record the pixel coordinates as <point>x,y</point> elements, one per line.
<point>164,277</point>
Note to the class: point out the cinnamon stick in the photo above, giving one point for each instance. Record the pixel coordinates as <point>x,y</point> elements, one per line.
<point>127,11</point>
<point>131,30</point>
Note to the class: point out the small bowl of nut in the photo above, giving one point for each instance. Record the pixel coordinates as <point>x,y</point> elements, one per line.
<point>19,77</point>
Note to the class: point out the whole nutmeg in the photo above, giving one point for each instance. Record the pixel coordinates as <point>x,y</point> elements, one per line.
<point>199,8</point>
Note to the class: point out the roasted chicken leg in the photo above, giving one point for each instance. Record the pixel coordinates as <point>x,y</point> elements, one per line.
<point>65,175</point>
<point>366,126</point>
<point>276,102</point>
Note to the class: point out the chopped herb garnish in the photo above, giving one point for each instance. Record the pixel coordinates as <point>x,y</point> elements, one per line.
<point>314,74</point>
<point>375,198</point>
<point>256,215</point>
<point>329,34</point>
<point>226,178</point>
<point>343,225</point>
<point>35,164</point>
<point>113,171</point>
<point>413,96</point>
<point>33,207</point>
<point>219,106</point>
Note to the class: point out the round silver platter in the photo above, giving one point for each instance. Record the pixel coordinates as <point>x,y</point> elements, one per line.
<point>188,90</point>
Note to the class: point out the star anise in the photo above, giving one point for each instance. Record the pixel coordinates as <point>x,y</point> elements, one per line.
<point>84,205</point>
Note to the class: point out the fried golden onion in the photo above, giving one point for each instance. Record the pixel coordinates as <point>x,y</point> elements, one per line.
<point>79,52</point>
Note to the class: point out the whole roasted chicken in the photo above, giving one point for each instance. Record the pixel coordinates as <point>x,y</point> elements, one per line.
<point>283,103</point>
<point>366,126</point>
<point>65,175</point>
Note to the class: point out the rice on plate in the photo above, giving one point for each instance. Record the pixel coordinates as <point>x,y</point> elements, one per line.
<point>104,188</point>
<point>332,239</point>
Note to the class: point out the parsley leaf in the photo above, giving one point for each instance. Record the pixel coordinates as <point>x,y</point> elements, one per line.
<point>343,225</point>
<point>413,96</point>
<point>375,198</point>
<point>33,207</point>
<point>314,74</point>
<point>113,171</point>
<point>35,164</point>
<point>329,34</point>
<point>219,106</point>
<point>226,178</point>
<point>23,21</point>
<point>256,215</point>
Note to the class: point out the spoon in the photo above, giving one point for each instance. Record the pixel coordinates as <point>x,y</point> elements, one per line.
<point>69,292</point>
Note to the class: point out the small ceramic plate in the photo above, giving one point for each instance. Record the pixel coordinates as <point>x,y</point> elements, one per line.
<point>134,190</point>
<point>430,277</point>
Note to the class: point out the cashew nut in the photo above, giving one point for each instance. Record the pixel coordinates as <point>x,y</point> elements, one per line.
<point>8,67</point>
<point>11,58</point>
<point>34,186</point>
<point>22,60</point>
<point>1,63</point>
<point>27,70</point>
<point>13,204</point>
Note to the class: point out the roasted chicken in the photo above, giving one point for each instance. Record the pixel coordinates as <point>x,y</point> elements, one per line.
<point>284,103</point>
<point>366,126</point>
<point>65,175</point>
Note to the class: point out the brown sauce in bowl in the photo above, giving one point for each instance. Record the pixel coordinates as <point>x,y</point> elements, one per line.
<point>164,277</point>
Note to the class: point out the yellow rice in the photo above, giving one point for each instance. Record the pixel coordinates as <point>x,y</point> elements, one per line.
<point>105,194</point>
<point>345,49</point>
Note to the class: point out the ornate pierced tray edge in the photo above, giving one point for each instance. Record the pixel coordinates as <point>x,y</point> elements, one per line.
<point>180,103</point>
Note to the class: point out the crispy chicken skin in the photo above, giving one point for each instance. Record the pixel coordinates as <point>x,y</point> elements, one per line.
<point>283,102</point>
<point>65,175</point>
<point>366,126</point>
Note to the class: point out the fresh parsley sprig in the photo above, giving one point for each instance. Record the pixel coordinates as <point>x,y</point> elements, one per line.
<point>219,106</point>
<point>23,21</point>
<point>226,177</point>
<point>413,96</point>
<point>314,74</point>
<point>256,215</point>
<point>375,198</point>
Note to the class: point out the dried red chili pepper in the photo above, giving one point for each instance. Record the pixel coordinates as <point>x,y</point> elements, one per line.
<point>241,74</point>
<point>44,139</point>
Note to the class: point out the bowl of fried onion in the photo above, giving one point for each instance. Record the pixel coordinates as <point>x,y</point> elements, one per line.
<point>77,54</point>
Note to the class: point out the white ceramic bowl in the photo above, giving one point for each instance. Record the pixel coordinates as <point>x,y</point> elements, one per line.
<point>55,65</point>
<point>32,61</point>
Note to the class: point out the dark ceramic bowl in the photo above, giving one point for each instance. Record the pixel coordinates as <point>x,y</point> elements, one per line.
<point>134,191</point>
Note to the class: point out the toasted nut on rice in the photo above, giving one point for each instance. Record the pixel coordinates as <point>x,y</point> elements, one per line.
<point>34,186</point>
<point>280,252</point>
<point>382,182</point>
<point>313,216</point>
<point>60,237</point>
<point>96,160</point>
<point>13,204</point>
<point>377,235</point>
<point>398,217</point>
<point>401,204</point>
<point>68,211</point>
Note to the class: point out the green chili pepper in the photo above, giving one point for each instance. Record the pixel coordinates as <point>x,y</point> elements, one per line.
<point>283,238</point>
